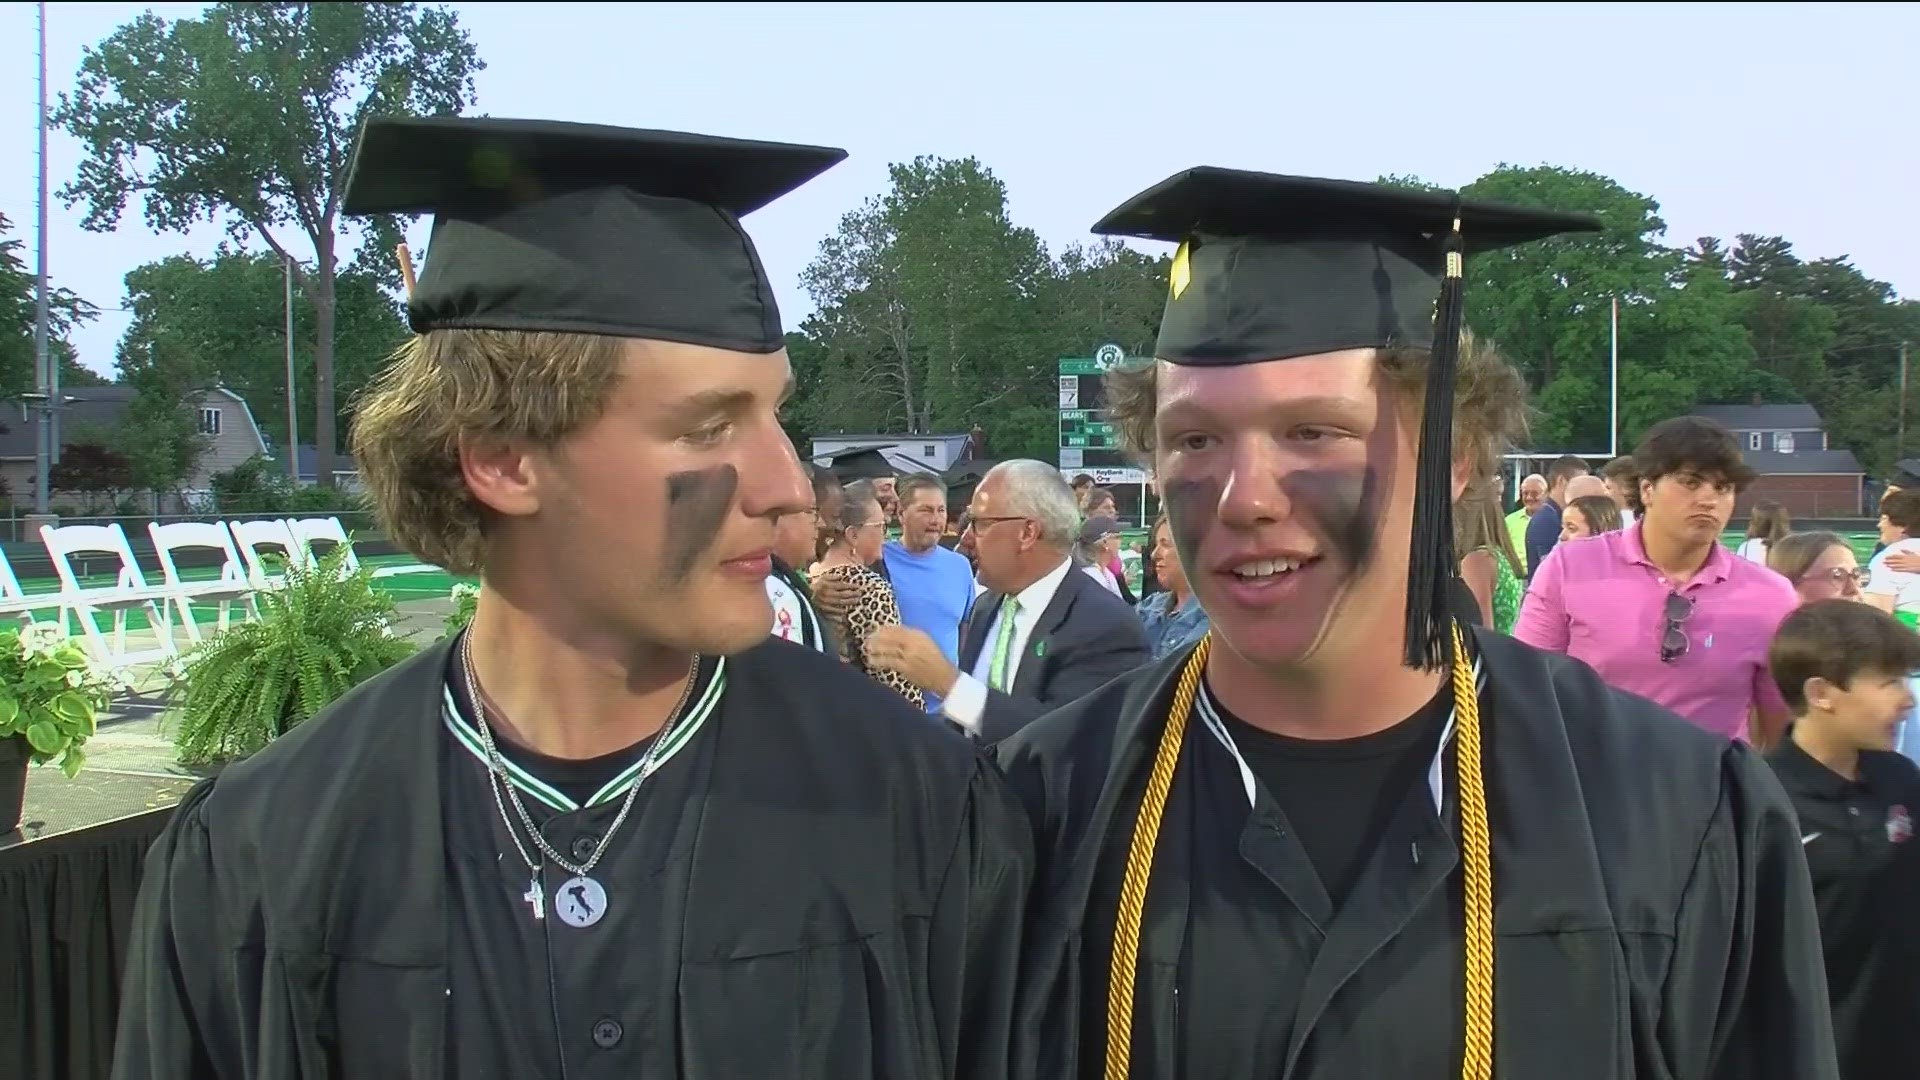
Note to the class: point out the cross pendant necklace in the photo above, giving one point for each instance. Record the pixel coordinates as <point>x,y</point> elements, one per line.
<point>537,897</point>
<point>588,898</point>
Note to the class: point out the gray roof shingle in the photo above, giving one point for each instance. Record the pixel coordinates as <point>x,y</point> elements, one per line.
<point>1803,462</point>
<point>1762,417</point>
<point>88,405</point>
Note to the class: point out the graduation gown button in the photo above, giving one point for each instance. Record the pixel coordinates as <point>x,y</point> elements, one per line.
<point>583,846</point>
<point>607,1033</point>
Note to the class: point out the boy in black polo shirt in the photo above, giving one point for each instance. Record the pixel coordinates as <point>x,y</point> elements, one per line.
<point>1843,668</point>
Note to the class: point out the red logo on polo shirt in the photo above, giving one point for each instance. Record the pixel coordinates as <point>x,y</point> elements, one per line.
<point>1899,825</point>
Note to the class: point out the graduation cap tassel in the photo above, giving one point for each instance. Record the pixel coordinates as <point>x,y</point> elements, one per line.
<point>1430,575</point>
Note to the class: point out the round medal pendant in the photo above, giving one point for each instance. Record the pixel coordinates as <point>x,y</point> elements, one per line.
<point>580,902</point>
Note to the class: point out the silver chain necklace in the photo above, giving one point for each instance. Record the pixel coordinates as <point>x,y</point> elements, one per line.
<point>582,900</point>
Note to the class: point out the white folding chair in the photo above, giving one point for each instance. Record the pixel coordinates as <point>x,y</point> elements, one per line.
<point>129,591</point>
<point>14,601</point>
<point>230,587</point>
<point>329,530</point>
<point>251,536</point>
<point>307,530</point>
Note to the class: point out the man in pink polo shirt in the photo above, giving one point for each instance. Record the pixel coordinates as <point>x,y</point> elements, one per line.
<point>1661,609</point>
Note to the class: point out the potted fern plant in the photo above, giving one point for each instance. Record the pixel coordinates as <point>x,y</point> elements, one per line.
<point>51,696</point>
<point>325,632</point>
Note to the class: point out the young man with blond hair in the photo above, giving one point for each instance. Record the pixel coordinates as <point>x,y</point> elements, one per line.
<point>614,828</point>
<point>1342,836</point>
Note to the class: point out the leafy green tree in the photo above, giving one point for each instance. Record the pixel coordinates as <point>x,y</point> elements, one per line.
<point>1549,306</point>
<point>65,313</point>
<point>1104,292</point>
<point>246,114</point>
<point>160,434</point>
<point>227,316</point>
<point>1790,332</point>
<point>924,301</point>
<point>936,312</point>
<point>1832,333</point>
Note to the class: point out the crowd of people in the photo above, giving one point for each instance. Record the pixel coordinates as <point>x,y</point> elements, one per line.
<point>1785,641</point>
<point>840,585</point>
<point>969,810</point>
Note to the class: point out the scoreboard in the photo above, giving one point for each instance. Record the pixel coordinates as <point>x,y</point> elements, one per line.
<point>1088,443</point>
<point>1087,438</point>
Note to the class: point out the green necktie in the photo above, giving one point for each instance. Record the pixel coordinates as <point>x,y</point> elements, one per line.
<point>1003,645</point>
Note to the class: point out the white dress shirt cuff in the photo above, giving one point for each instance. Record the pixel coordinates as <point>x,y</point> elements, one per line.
<point>965,702</point>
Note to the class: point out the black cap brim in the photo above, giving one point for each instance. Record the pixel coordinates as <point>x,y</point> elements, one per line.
<point>404,165</point>
<point>1278,208</point>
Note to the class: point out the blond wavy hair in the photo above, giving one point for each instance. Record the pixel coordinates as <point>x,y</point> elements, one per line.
<point>1490,410</point>
<point>487,386</point>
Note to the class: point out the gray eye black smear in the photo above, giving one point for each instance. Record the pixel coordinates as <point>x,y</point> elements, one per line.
<point>1342,504</point>
<point>1191,506</point>
<point>697,505</point>
<point>1345,504</point>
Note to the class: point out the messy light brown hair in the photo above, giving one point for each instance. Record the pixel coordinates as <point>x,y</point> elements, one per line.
<point>1480,524</point>
<point>1489,406</point>
<point>486,386</point>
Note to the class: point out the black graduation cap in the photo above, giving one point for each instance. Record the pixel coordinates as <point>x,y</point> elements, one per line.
<point>581,228</point>
<point>1271,267</point>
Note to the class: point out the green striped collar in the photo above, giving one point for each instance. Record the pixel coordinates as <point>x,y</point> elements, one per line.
<point>706,701</point>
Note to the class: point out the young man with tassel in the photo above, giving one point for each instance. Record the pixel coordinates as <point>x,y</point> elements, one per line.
<point>1343,835</point>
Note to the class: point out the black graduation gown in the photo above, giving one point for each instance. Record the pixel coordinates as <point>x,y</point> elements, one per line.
<point>1653,913</point>
<point>848,903</point>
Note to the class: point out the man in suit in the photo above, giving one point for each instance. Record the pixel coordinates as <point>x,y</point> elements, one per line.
<point>1041,635</point>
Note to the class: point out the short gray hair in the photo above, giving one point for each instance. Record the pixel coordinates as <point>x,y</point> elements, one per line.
<point>1035,490</point>
<point>1085,551</point>
<point>856,500</point>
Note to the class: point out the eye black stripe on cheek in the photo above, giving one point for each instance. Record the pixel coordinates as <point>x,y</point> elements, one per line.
<point>1345,505</point>
<point>1190,504</point>
<point>697,504</point>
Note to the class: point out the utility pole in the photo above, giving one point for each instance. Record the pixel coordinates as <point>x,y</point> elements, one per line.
<point>1613,384</point>
<point>293,417</point>
<point>42,363</point>
<point>1900,439</point>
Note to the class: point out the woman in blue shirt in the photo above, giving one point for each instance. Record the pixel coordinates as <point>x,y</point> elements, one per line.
<point>1173,617</point>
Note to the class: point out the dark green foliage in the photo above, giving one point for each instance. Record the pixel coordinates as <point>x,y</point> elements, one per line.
<point>65,312</point>
<point>260,486</point>
<point>323,634</point>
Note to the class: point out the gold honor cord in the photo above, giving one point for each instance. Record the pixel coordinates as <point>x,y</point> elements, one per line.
<point>1476,839</point>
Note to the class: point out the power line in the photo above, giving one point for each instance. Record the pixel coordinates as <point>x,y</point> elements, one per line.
<point>1827,351</point>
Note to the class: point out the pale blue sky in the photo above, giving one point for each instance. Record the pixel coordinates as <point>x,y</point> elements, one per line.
<point>1792,119</point>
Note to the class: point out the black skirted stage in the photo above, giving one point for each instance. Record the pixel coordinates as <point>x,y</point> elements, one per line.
<point>66,906</point>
